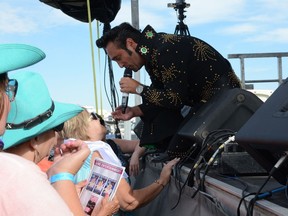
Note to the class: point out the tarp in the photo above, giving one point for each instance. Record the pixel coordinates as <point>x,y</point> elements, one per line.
<point>103,10</point>
<point>201,204</point>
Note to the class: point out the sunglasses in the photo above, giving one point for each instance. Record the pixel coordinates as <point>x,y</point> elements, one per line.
<point>11,89</point>
<point>95,116</point>
<point>59,127</point>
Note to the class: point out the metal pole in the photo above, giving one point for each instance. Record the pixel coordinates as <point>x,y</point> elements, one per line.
<point>135,24</point>
<point>280,70</point>
<point>242,71</point>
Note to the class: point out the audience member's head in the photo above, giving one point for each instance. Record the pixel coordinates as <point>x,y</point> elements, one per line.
<point>34,118</point>
<point>13,57</point>
<point>85,126</point>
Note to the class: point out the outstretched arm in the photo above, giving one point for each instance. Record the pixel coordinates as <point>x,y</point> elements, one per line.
<point>130,199</point>
<point>134,160</point>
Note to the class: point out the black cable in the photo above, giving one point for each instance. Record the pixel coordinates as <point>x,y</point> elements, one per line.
<point>253,201</point>
<point>235,178</point>
<point>105,87</point>
<point>205,148</point>
<point>241,200</point>
<point>197,176</point>
<point>286,190</point>
<point>114,101</point>
<point>212,159</point>
<point>179,165</point>
<point>209,164</point>
<point>214,137</point>
<point>243,194</point>
<point>260,196</point>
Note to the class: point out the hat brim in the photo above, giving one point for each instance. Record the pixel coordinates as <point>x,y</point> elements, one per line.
<point>17,56</point>
<point>62,113</point>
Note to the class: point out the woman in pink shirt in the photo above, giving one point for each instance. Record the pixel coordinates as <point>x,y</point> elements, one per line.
<point>24,188</point>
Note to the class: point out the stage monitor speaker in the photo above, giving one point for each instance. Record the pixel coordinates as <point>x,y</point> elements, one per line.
<point>227,110</point>
<point>265,134</point>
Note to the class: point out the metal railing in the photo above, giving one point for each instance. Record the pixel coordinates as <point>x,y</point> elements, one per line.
<point>242,57</point>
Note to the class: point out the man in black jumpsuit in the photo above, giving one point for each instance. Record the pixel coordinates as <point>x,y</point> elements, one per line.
<point>184,70</point>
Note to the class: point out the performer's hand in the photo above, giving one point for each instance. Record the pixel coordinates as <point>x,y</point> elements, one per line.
<point>128,85</point>
<point>118,115</point>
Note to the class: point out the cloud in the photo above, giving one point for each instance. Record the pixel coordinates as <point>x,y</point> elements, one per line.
<point>239,29</point>
<point>278,35</point>
<point>12,21</point>
<point>150,12</point>
<point>255,21</point>
<point>277,6</point>
<point>161,17</point>
<point>209,11</point>
<point>23,19</point>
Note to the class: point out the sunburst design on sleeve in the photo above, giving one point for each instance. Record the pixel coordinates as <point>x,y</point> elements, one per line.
<point>169,38</point>
<point>234,80</point>
<point>154,58</point>
<point>209,89</point>
<point>156,73</point>
<point>154,97</point>
<point>203,51</point>
<point>174,97</point>
<point>168,74</point>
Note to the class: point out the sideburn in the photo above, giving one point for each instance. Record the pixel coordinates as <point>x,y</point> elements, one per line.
<point>128,51</point>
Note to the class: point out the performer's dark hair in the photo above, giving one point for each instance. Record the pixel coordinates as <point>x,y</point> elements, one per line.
<point>118,35</point>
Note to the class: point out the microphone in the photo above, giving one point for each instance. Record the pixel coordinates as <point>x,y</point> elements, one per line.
<point>127,73</point>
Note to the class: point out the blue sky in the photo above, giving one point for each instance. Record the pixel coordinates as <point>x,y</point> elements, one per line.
<point>231,26</point>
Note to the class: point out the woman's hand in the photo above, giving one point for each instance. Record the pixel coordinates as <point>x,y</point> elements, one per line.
<point>134,160</point>
<point>167,170</point>
<point>79,186</point>
<point>134,164</point>
<point>69,157</point>
<point>107,207</point>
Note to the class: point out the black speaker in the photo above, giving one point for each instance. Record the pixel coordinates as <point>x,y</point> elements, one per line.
<point>265,136</point>
<point>229,109</point>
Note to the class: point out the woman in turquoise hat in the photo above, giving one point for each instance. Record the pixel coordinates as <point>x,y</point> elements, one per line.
<point>13,57</point>
<point>32,122</point>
